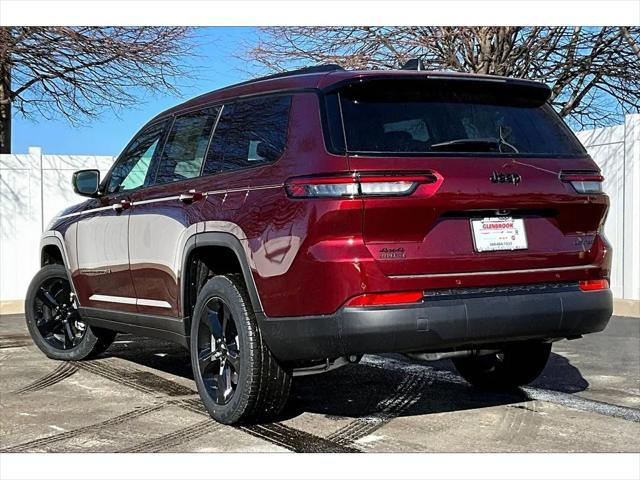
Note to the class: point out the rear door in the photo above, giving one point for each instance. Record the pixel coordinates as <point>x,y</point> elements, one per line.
<point>103,279</point>
<point>496,199</point>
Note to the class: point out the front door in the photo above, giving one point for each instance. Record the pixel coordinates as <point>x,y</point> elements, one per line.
<point>166,214</point>
<point>104,278</point>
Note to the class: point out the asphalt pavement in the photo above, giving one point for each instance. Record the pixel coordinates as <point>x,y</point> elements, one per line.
<point>140,397</point>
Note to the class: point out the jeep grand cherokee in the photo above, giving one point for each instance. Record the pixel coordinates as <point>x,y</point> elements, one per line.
<point>288,225</point>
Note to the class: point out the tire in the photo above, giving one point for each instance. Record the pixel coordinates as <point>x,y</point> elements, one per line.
<point>250,386</point>
<point>49,329</point>
<point>516,365</point>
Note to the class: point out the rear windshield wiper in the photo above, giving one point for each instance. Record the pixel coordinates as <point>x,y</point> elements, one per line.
<point>467,144</point>
<point>473,145</point>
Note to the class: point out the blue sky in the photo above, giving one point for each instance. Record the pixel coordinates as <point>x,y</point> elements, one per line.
<point>214,65</point>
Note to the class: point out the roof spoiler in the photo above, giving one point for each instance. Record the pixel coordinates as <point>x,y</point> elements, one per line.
<point>538,92</point>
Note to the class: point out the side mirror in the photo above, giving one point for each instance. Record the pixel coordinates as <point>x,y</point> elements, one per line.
<point>86,182</point>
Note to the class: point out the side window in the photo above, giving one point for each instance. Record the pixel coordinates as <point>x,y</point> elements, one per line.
<point>249,132</point>
<point>186,146</point>
<point>133,164</point>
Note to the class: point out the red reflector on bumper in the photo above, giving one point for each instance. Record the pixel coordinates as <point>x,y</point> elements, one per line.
<point>373,299</point>
<point>590,285</point>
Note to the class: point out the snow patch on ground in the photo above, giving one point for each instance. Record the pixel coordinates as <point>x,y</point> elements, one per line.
<point>370,439</point>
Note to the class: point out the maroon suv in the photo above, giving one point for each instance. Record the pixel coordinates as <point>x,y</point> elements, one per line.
<point>290,224</point>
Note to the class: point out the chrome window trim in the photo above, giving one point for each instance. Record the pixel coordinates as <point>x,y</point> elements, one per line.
<point>174,197</point>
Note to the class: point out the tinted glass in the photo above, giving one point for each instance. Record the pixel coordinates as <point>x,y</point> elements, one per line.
<point>186,146</point>
<point>249,132</point>
<point>133,164</point>
<point>332,123</point>
<point>436,117</point>
<point>87,181</point>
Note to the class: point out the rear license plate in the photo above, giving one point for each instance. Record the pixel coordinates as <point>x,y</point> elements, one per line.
<point>498,233</point>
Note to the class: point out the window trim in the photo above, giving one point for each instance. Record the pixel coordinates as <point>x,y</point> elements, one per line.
<point>156,161</point>
<point>213,132</point>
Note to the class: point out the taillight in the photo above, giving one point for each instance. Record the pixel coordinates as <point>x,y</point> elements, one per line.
<point>377,299</point>
<point>591,285</point>
<point>583,182</point>
<point>358,185</point>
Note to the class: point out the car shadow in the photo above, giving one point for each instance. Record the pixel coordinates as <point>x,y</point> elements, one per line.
<point>559,374</point>
<point>372,388</point>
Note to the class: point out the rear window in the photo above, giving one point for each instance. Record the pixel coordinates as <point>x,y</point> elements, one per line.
<point>449,117</point>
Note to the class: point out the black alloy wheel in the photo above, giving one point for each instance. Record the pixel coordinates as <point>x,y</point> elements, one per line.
<point>54,321</point>
<point>57,317</point>
<point>218,351</point>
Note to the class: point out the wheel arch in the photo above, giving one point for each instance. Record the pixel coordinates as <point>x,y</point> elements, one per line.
<point>221,252</point>
<point>50,254</point>
<point>52,247</point>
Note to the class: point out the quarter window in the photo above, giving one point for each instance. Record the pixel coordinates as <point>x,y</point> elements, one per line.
<point>186,146</point>
<point>249,132</point>
<point>132,168</point>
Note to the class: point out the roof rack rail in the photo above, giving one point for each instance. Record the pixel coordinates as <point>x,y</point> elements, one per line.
<point>331,67</point>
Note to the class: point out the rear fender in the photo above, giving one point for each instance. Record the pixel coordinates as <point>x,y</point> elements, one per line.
<point>227,240</point>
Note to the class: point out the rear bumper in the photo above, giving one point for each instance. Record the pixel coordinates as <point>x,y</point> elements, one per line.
<point>443,321</point>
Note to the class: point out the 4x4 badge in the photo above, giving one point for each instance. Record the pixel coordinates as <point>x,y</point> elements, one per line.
<point>497,177</point>
<point>391,253</point>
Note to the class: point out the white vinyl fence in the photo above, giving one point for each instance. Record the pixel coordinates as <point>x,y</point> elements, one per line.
<point>34,187</point>
<point>616,150</point>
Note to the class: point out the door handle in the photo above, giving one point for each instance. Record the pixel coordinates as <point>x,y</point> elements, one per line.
<point>190,196</point>
<point>123,205</point>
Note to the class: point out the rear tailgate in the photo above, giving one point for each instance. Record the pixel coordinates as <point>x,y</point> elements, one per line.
<point>428,233</point>
<point>497,149</point>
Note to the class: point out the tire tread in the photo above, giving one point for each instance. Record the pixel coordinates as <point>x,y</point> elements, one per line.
<point>269,385</point>
<point>95,340</point>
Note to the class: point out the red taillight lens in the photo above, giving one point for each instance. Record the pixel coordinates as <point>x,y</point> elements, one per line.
<point>357,185</point>
<point>590,285</point>
<point>322,187</point>
<point>583,182</point>
<point>376,299</point>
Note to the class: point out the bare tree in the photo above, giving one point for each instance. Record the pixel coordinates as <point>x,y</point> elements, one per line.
<point>594,73</point>
<point>77,72</point>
